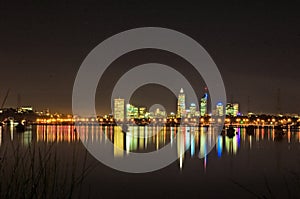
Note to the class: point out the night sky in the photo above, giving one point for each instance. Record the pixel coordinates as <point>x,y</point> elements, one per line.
<point>256,47</point>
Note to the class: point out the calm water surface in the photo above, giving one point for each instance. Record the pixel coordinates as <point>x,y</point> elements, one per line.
<point>262,165</point>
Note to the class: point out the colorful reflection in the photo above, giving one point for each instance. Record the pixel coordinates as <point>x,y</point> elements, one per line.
<point>220,146</point>
<point>195,142</point>
<point>56,133</point>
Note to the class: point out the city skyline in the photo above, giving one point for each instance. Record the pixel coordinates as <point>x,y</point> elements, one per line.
<point>231,108</point>
<point>123,109</point>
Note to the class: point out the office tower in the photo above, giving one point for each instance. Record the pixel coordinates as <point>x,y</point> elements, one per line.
<point>229,109</point>
<point>220,109</point>
<point>193,110</point>
<point>119,106</point>
<point>181,103</point>
<point>128,111</point>
<point>203,105</point>
<point>131,112</point>
<point>232,109</point>
<point>142,112</point>
<point>235,109</point>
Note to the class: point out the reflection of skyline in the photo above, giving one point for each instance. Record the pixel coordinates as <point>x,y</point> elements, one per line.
<point>53,133</point>
<point>191,141</point>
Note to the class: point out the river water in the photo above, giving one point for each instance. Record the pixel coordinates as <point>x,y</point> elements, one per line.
<point>257,166</point>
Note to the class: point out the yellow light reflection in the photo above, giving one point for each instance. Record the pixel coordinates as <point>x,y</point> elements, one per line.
<point>235,144</point>
<point>118,142</point>
<point>180,147</point>
<point>57,133</point>
<point>11,130</point>
<point>202,147</point>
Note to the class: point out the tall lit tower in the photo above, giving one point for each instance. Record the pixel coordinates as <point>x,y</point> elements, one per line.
<point>203,105</point>
<point>181,103</point>
<point>193,109</point>
<point>236,109</point>
<point>119,109</point>
<point>220,109</point>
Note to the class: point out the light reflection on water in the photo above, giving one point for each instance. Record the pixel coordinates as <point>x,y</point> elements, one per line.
<point>195,141</point>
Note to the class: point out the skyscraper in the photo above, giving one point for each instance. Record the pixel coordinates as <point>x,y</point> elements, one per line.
<point>220,109</point>
<point>119,109</point>
<point>142,112</point>
<point>131,112</point>
<point>229,109</point>
<point>232,109</point>
<point>193,109</point>
<point>203,105</point>
<point>181,103</point>
<point>235,109</point>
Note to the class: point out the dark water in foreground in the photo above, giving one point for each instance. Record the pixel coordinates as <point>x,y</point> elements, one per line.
<point>258,166</point>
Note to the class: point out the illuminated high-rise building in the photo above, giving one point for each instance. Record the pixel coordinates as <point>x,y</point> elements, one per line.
<point>187,113</point>
<point>203,105</point>
<point>128,111</point>
<point>220,109</point>
<point>119,109</point>
<point>232,109</point>
<point>229,109</point>
<point>235,109</point>
<point>142,112</point>
<point>193,109</point>
<point>181,104</point>
<point>131,112</point>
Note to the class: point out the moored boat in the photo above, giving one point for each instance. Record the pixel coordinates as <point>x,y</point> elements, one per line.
<point>21,126</point>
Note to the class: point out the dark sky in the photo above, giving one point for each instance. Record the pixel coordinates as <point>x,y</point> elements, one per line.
<point>256,47</point>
